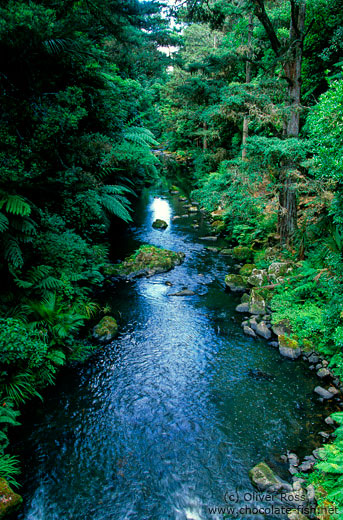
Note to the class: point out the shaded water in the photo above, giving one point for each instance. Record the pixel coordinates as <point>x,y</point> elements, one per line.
<point>165,420</point>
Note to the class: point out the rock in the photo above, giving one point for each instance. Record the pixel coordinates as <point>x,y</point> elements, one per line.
<point>278,270</point>
<point>305,466</point>
<point>225,252</point>
<point>182,199</point>
<point>293,459</point>
<point>147,261</point>
<point>258,278</point>
<point>313,359</point>
<point>264,478</point>
<point>235,283</point>
<point>168,283</point>
<point>244,323</point>
<point>325,435</point>
<point>293,470</point>
<point>318,452</point>
<point>257,304</point>
<point>253,323</point>
<point>247,269</point>
<point>282,328</point>
<point>294,514</point>
<point>218,226</point>
<point>106,330</point>
<point>9,500</point>
<point>333,390</point>
<point>159,224</point>
<point>274,344</point>
<point>325,363</point>
<point>245,298</point>
<point>322,392</point>
<point>311,493</point>
<point>242,253</point>
<point>289,347</point>
<point>262,330</point>
<point>242,307</point>
<point>323,372</point>
<point>183,292</point>
<point>249,332</point>
<point>211,238</point>
<point>193,209</point>
<point>330,421</point>
<point>212,249</point>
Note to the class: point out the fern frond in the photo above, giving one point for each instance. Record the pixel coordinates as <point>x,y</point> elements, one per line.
<point>3,223</point>
<point>140,136</point>
<point>16,205</point>
<point>115,207</point>
<point>12,252</point>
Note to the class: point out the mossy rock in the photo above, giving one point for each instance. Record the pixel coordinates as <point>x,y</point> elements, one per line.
<point>9,500</point>
<point>263,478</point>
<point>257,303</point>
<point>242,253</point>
<point>289,347</point>
<point>278,270</point>
<point>218,226</point>
<point>308,345</point>
<point>147,261</point>
<point>236,283</point>
<point>258,278</point>
<point>245,298</point>
<point>247,269</point>
<point>294,514</point>
<point>282,327</point>
<point>159,224</point>
<point>106,330</point>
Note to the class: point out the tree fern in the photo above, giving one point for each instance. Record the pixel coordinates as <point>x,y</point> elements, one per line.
<point>140,136</point>
<point>15,204</point>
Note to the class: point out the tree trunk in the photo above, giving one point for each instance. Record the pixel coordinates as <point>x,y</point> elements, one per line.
<point>247,80</point>
<point>287,218</point>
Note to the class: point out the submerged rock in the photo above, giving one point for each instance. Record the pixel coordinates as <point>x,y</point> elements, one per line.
<point>9,500</point>
<point>242,307</point>
<point>106,330</point>
<point>147,261</point>
<point>159,224</point>
<point>183,292</point>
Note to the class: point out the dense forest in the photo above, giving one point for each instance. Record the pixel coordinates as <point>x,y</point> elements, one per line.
<point>246,111</point>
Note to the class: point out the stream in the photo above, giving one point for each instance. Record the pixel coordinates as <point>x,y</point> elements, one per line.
<point>167,419</point>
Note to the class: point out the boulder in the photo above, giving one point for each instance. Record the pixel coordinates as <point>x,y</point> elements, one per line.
<point>247,269</point>
<point>193,209</point>
<point>258,278</point>
<point>264,478</point>
<point>218,226</point>
<point>226,251</point>
<point>248,331</point>
<point>235,283</point>
<point>9,500</point>
<point>289,347</point>
<point>245,298</point>
<point>323,372</point>
<point>322,392</point>
<point>243,307</point>
<point>210,238</point>
<point>257,304</point>
<point>242,253</point>
<point>159,224</point>
<point>263,331</point>
<point>147,261</point>
<point>106,330</point>
<point>253,323</point>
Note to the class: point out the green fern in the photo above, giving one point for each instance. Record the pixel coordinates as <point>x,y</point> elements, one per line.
<point>4,223</point>
<point>9,467</point>
<point>15,204</point>
<point>141,136</point>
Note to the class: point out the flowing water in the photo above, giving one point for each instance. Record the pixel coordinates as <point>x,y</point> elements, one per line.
<point>169,418</point>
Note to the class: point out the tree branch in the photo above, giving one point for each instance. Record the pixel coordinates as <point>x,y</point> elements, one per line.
<point>261,14</point>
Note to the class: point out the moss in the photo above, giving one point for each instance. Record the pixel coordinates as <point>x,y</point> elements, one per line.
<point>245,298</point>
<point>308,345</point>
<point>242,253</point>
<point>106,327</point>
<point>247,269</point>
<point>218,225</point>
<point>9,501</point>
<point>159,224</point>
<point>288,342</point>
<point>149,258</point>
<point>235,282</point>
